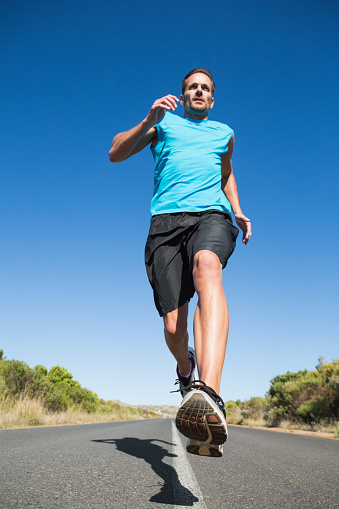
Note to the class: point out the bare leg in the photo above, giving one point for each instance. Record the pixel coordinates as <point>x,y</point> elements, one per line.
<point>176,336</point>
<point>210,319</point>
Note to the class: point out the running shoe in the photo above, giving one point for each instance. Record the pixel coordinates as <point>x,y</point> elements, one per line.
<point>202,415</point>
<point>203,449</point>
<point>185,381</point>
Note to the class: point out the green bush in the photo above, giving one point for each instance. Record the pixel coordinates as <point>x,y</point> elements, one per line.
<point>230,405</point>
<point>41,369</point>
<point>56,388</point>
<point>233,412</point>
<point>3,387</point>
<point>306,396</point>
<point>58,374</point>
<point>87,400</point>
<point>16,375</point>
<point>254,408</point>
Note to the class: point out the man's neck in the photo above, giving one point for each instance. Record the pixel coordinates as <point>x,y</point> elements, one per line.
<point>194,116</point>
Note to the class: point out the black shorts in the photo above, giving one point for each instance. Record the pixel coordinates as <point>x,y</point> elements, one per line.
<point>172,242</point>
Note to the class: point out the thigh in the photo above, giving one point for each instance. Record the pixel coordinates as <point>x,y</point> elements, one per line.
<point>169,275</point>
<point>166,260</point>
<point>215,232</point>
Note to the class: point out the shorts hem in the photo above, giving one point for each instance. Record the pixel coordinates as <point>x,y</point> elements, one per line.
<point>171,307</point>
<point>222,260</point>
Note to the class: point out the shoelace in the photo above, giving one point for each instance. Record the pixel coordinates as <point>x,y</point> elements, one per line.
<point>199,384</point>
<point>183,382</point>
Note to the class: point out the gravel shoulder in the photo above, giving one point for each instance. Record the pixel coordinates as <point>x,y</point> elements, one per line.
<point>319,434</point>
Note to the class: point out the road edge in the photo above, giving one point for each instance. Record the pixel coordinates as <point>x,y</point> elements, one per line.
<point>319,434</point>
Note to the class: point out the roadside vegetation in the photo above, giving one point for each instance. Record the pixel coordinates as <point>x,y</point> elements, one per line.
<point>36,396</point>
<point>306,400</point>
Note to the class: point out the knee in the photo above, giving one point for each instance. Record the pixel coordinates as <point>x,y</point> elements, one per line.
<point>207,269</point>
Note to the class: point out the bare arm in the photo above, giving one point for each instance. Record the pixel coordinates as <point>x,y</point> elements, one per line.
<point>229,187</point>
<point>130,142</point>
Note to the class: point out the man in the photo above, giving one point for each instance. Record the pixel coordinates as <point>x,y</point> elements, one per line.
<point>190,240</point>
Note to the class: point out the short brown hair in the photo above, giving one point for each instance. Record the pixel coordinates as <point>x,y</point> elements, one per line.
<point>195,71</point>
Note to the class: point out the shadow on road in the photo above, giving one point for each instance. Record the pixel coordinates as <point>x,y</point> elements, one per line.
<point>172,491</point>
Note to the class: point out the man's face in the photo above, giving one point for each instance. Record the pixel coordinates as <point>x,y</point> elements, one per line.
<point>197,98</point>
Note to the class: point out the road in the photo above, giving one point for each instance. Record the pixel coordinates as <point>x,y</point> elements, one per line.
<point>143,464</point>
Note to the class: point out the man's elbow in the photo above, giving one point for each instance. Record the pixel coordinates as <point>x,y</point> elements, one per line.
<point>225,177</point>
<point>113,156</point>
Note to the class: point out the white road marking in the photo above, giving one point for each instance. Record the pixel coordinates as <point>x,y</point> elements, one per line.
<point>186,487</point>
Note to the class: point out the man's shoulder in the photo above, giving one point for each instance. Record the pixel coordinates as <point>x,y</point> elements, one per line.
<point>220,125</point>
<point>171,118</point>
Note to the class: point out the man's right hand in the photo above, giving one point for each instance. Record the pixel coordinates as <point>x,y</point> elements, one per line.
<point>159,108</point>
<point>130,142</point>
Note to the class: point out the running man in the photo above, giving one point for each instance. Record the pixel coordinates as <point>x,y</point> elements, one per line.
<point>190,240</point>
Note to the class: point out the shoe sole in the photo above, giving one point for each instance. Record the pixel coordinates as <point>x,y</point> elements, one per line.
<point>200,419</point>
<point>203,449</point>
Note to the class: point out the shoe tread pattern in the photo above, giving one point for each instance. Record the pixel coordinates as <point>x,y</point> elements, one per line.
<point>197,419</point>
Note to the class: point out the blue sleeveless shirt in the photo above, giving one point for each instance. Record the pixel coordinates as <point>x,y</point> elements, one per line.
<point>187,175</point>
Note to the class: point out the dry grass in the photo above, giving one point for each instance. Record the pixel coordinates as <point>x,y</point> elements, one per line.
<point>255,422</point>
<point>235,416</point>
<point>322,427</point>
<point>22,412</point>
<point>26,411</point>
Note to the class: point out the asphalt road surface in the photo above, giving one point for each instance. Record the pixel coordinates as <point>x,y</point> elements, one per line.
<point>144,464</point>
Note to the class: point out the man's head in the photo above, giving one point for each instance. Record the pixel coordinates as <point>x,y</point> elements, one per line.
<point>195,71</point>
<point>197,93</point>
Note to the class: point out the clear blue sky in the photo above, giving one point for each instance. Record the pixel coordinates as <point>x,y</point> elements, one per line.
<point>73,226</point>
